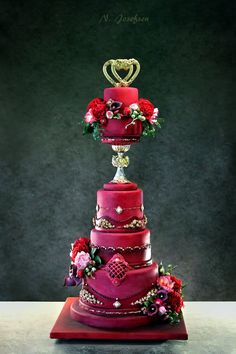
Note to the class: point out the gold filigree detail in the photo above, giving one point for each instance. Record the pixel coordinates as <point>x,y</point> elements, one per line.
<point>136,223</point>
<point>106,224</point>
<point>103,223</point>
<point>120,161</point>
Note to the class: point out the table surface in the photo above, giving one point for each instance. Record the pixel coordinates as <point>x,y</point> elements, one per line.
<point>25,327</point>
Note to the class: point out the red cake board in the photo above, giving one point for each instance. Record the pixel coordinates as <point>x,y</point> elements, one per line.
<point>67,328</point>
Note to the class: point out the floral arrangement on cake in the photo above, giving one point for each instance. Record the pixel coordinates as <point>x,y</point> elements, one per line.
<point>100,111</point>
<point>165,301</point>
<point>84,261</point>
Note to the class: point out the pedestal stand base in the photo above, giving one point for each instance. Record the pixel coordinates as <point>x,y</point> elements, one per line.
<point>67,328</point>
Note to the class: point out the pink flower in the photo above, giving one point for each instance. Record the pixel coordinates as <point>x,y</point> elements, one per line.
<point>89,117</point>
<point>153,119</point>
<point>166,283</point>
<point>162,310</point>
<point>82,259</point>
<point>109,114</point>
<point>134,106</point>
<point>158,302</point>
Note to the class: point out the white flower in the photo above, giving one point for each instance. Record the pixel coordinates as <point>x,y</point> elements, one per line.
<point>153,119</point>
<point>134,106</point>
<point>109,114</point>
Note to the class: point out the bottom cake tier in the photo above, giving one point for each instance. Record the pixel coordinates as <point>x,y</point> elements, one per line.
<point>111,299</point>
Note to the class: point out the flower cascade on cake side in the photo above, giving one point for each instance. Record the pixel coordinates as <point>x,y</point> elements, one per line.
<point>164,302</point>
<point>84,261</point>
<point>122,287</point>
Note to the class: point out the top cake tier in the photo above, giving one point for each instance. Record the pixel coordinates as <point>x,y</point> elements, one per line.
<point>118,131</point>
<point>126,95</point>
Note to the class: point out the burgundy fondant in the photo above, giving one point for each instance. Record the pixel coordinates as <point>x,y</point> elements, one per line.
<point>130,201</point>
<point>134,286</point>
<point>81,314</point>
<point>117,131</point>
<point>126,95</point>
<point>114,239</point>
<point>136,280</point>
<point>120,186</point>
<point>135,249</point>
<point>127,272</point>
<point>68,326</point>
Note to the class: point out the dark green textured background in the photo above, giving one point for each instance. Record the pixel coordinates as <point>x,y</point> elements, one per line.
<point>51,55</point>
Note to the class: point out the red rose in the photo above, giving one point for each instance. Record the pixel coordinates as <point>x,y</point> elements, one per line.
<point>82,240</point>
<point>146,107</point>
<point>175,301</point>
<point>126,111</point>
<point>80,273</point>
<point>103,121</point>
<point>82,244</point>
<point>98,107</point>
<point>178,283</point>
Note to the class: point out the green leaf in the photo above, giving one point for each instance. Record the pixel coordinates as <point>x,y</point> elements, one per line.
<point>98,260</point>
<point>175,317</point>
<point>160,120</point>
<point>93,251</point>
<point>161,269</point>
<point>87,128</point>
<point>149,129</point>
<point>96,130</point>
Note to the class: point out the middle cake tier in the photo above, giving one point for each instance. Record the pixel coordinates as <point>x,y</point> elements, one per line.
<point>135,247</point>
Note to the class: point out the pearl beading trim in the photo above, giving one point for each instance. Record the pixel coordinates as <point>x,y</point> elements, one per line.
<point>152,292</point>
<point>119,209</point>
<point>88,297</point>
<point>109,312</point>
<point>123,249</point>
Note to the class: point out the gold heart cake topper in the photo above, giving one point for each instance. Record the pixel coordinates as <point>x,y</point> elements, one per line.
<point>130,65</point>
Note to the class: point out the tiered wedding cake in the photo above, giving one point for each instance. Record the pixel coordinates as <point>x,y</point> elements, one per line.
<point>121,285</point>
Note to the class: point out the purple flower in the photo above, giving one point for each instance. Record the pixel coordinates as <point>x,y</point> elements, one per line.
<point>162,294</point>
<point>72,270</point>
<point>72,281</point>
<point>78,281</point>
<point>69,281</point>
<point>152,310</point>
<point>114,105</point>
